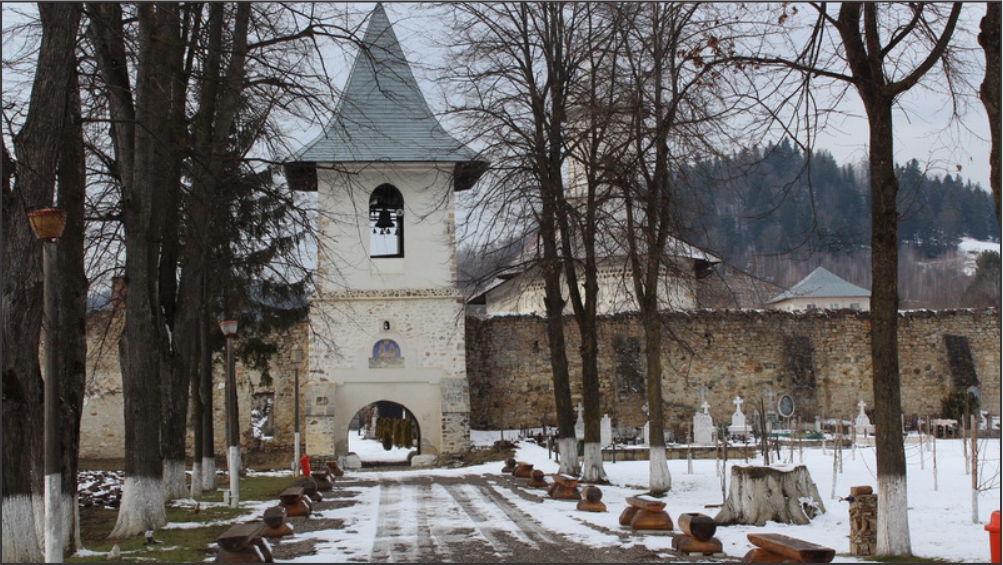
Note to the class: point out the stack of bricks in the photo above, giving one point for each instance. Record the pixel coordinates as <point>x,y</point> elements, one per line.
<point>863,521</point>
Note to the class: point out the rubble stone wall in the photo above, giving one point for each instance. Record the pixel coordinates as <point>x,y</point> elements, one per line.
<point>821,358</point>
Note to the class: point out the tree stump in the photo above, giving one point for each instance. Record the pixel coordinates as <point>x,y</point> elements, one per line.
<point>538,480</point>
<point>591,500</point>
<point>780,494</point>
<point>509,465</point>
<point>645,513</point>
<point>565,487</point>
<point>697,526</point>
<point>523,470</point>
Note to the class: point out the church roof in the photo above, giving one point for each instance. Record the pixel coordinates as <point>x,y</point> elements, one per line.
<point>822,284</point>
<point>382,114</point>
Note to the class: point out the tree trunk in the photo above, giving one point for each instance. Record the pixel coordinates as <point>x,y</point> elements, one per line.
<point>659,478</point>
<point>893,528</point>
<point>857,24</point>
<point>768,494</point>
<point>146,168</point>
<point>22,283</point>
<point>989,39</point>
<point>72,321</point>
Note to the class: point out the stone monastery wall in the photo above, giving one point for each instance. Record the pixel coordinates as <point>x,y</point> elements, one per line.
<point>822,358</point>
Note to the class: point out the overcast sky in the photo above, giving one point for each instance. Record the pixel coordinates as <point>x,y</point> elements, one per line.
<point>923,128</point>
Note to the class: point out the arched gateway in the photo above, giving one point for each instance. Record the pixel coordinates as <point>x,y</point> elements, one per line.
<point>387,317</point>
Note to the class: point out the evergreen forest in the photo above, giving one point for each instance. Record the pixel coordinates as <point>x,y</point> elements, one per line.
<point>775,213</point>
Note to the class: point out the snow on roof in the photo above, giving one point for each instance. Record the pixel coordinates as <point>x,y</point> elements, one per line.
<point>822,284</point>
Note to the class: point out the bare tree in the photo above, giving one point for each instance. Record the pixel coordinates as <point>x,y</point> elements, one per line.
<point>668,111</point>
<point>517,68</point>
<point>22,295</point>
<point>990,93</point>
<point>881,51</point>
<point>72,321</point>
<point>144,164</point>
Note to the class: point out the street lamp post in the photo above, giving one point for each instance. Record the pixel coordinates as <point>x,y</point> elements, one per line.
<point>47,224</point>
<point>297,359</point>
<point>229,328</point>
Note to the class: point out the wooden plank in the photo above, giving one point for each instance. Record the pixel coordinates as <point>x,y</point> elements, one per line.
<point>646,503</point>
<point>687,544</point>
<point>760,555</point>
<point>699,526</point>
<point>802,551</point>
<point>238,536</point>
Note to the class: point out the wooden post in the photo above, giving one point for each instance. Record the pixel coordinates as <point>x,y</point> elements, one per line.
<point>964,445</point>
<point>935,463</point>
<point>800,442</point>
<point>975,471</point>
<point>921,447</point>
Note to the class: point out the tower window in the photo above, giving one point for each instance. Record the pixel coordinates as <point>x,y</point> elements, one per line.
<point>386,222</point>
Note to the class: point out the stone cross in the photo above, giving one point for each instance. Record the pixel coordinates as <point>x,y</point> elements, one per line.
<point>738,404</point>
<point>580,424</point>
<point>861,405</point>
<point>706,407</point>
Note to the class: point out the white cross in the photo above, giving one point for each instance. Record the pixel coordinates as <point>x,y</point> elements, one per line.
<point>738,404</point>
<point>705,406</point>
<point>579,409</point>
<point>861,405</point>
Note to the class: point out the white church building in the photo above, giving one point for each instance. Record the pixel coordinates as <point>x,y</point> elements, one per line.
<point>387,317</point>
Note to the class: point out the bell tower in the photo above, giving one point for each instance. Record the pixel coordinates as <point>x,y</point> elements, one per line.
<point>387,316</point>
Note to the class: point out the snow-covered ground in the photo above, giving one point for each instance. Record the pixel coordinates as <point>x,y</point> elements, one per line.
<point>940,500</point>
<point>972,248</point>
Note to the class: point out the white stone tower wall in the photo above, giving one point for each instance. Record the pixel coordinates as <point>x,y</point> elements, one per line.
<point>412,300</point>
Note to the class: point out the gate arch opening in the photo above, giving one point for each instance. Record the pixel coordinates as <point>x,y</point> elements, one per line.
<point>384,433</point>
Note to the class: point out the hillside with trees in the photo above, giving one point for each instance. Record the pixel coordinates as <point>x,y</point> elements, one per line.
<point>775,214</point>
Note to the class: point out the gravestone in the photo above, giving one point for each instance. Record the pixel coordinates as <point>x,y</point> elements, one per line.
<point>580,423</point>
<point>738,425</point>
<point>703,426</point>
<point>606,431</point>
<point>863,423</point>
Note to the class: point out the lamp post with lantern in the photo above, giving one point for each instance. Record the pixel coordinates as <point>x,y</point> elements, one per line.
<point>229,328</point>
<point>47,224</point>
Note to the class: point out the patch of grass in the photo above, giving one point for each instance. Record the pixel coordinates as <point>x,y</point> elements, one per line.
<point>176,545</point>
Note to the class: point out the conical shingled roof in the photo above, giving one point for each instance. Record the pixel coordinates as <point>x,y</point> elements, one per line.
<point>822,284</point>
<point>382,115</point>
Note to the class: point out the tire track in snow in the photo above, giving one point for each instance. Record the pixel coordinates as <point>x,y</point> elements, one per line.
<point>402,532</point>
<point>500,521</point>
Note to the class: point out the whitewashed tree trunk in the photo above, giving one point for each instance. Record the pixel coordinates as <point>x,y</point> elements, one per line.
<point>208,473</point>
<point>893,517</point>
<point>592,467</point>
<point>658,471</point>
<point>17,511</point>
<point>759,494</point>
<point>196,486</point>
<point>567,449</point>
<point>174,480</point>
<point>142,506</point>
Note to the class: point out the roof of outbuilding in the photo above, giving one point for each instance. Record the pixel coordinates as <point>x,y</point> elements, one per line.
<point>382,115</point>
<point>822,284</point>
